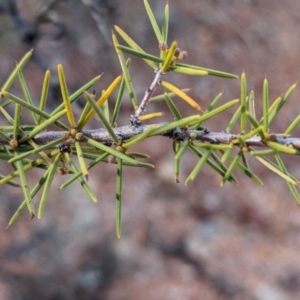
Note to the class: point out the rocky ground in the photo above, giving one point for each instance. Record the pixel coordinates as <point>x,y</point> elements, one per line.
<point>181,242</point>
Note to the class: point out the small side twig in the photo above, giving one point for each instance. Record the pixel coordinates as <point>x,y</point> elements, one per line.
<point>148,93</point>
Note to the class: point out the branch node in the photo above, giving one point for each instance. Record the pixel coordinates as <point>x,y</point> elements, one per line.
<point>63,148</point>
<point>134,121</point>
<point>206,130</point>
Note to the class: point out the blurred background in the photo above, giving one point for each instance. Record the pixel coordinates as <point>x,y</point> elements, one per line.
<point>181,242</point>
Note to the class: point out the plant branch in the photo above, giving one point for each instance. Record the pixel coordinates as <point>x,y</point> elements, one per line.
<point>126,132</point>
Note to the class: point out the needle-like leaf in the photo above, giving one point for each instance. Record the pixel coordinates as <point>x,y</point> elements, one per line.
<point>153,22</point>
<point>138,138</point>
<point>135,46</point>
<point>243,103</point>
<point>215,167</point>
<point>172,107</point>
<point>36,150</point>
<point>189,71</point>
<point>231,168</point>
<point>26,93</point>
<point>83,183</point>
<point>34,109</point>
<point>266,105</point>
<point>169,58</point>
<point>14,74</point>
<point>119,198</point>
<point>126,74</point>
<point>179,152</point>
<point>111,151</point>
<point>42,126</point>
<point>77,94</point>
<point>25,188</point>
<point>282,148</point>
<point>26,167</point>
<point>119,98</point>
<point>78,174</point>
<point>85,111</point>
<point>278,105</point>
<point>165,24</point>
<point>162,96</point>
<point>150,116</point>
<point>210,71</point>
<point>215,112</point>
<point>65,95</point>
<point>105,108</point>
<point>292,126</point>
<point>48,183</point>
<point>97,110</point>
<point>101,100</point>
<point>276,170</point>
<point>17,120</point>
<point>198,166</point>
<point>34,191</point>
<point>291,186</point>
<point>44,95</point>
<point>140,53</point>
<point>179,123</point>
<point>81,161</point>
<point>180,94</point>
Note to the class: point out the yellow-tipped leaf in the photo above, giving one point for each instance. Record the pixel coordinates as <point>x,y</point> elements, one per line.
<point>181,94</point>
